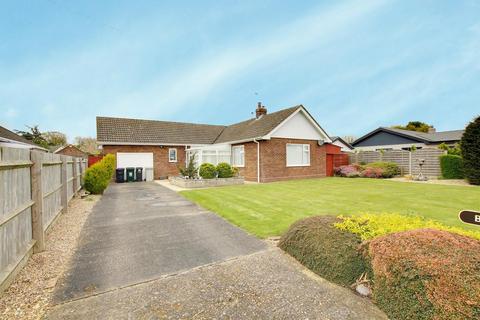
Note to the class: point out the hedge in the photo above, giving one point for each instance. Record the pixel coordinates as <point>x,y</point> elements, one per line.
<point>390,169</point>
<point>98,176</point>
<point>207,171</point>
<point>426,274</point>
<point>470,148</point>
<point>324,249</point>
<point>452,166</point>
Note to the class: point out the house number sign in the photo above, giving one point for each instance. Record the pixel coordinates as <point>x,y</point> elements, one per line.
<point>470,217</point>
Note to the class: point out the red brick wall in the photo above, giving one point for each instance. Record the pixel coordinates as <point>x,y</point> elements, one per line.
<point>273,161</point>
<point>250,169</point>
<point>72,151</point>
<point>161,167</point>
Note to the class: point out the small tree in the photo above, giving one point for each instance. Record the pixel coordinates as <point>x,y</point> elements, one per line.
<point>35,135</point>
<point>191,170</point>
<point>470,147</point>
<point>55,138</point>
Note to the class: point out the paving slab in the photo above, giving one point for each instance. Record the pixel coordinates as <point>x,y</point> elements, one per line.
<point>141,231</point>
<point>263,285</point>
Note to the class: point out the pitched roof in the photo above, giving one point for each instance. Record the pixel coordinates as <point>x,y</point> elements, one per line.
<point>10,135</point>
<point>436,137</point>
<point>335,138</point>
<point>121,130</point>
<point>254,128</point>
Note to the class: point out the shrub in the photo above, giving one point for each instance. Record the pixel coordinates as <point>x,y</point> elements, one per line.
<point>324,249</point>
<point>349,171</point>
<point>372,173</point>
<point>390,169</point>
<point>453,150</point>
<point>470,146</point>
<point>224,170</point>
<point>191,170</point>
<point>207,171</point>
<point>452,166</point>
<point>426,274</point>
<point>99,175</point>
<point>369,226</point>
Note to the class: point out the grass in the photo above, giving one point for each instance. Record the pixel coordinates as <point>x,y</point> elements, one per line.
<point>268,209</point>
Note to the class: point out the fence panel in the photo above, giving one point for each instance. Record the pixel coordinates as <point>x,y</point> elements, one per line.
<point>406,160</point>
<point>70,178</point>
<point>15,211</point>
<point>52,187</point>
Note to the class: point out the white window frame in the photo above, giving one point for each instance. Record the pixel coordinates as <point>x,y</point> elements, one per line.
<point>305,148</point>
<point>176,155</point>
<point>242,156</point>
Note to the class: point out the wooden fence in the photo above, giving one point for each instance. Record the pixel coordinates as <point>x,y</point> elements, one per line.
<point>406,160</point>
<point>35,187</point>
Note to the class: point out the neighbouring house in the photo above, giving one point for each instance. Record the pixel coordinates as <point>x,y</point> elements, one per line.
<point>399,139</point>
<point>287,144</point>
<point>69,150</point>
<point>345,146</point>
<point>12,140</point>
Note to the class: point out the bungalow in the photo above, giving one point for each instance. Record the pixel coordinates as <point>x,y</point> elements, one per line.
<point>286,144</point>
<point>399,139</point>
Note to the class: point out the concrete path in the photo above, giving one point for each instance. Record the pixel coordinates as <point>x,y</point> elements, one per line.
<point>147,253</point>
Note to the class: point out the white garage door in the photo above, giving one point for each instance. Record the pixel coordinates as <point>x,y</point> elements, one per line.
<point>135,159</point>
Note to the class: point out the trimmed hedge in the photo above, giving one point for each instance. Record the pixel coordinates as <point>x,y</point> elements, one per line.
<point>224,170</point>
<point>98,176</point>
<point>470,148</point>
<point>452,166</point>
<point>426,274</point>
<point>207,171</point>
<point>329,252</point>
<point>371,170</point>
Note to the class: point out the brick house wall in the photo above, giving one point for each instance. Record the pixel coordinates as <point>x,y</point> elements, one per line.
<point>162,168</point>
<point>273,161</point>
<point>72,151</point>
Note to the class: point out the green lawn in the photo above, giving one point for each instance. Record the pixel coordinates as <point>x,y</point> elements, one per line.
<point>268,209</point>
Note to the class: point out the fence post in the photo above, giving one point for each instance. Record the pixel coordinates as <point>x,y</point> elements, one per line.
<point>410,163</point>
<point>37,197</point>
<point>64,192</point>
<point>75,176</point>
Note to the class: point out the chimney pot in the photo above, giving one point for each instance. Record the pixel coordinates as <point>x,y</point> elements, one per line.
<point>260,111</point>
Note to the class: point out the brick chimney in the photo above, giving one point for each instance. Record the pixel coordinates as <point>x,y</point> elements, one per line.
<point>432,130</point>
<point>260,111</point>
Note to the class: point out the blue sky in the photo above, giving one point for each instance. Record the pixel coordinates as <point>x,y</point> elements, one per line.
<point>355,65</point>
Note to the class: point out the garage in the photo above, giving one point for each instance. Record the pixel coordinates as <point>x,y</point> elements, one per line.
<point>142,160</point>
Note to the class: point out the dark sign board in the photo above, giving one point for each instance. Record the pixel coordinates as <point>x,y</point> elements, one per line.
<point>469,216</point>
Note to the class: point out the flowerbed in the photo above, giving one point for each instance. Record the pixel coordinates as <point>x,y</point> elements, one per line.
<point>417,268</point>
<point>371,170</point>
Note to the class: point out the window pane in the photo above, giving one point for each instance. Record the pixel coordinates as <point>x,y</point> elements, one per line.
<point>294,155</point>
<point>238,156</point>
<point>172,154</point>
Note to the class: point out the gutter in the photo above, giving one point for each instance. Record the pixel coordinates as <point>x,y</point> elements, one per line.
<point>258,159</point>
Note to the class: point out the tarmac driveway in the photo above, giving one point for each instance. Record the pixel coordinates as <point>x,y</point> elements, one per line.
<point>141,231</point>
<point>147,253</point>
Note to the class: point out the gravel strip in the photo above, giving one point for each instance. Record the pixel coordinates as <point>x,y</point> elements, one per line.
<point>29,296</point>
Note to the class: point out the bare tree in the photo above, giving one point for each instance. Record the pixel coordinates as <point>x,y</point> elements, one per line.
<point>87,144</point>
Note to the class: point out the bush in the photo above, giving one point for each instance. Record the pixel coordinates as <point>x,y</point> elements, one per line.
<point>349,171</point>
<point>224,170</point>
<point>470,148</point>
<point>426,274</point>
<point>207,171</point>
<point>390,169</point>
<point>452,166</point>
<point>99,175</point>
<point>372,173</point>
<point>369,226</point>
<point>191,170</point>
<point>329,252</point>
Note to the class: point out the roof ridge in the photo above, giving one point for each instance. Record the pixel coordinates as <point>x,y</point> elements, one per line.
<point>163,121</point>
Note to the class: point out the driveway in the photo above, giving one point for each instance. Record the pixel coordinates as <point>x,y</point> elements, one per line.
<point>147,253</point>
